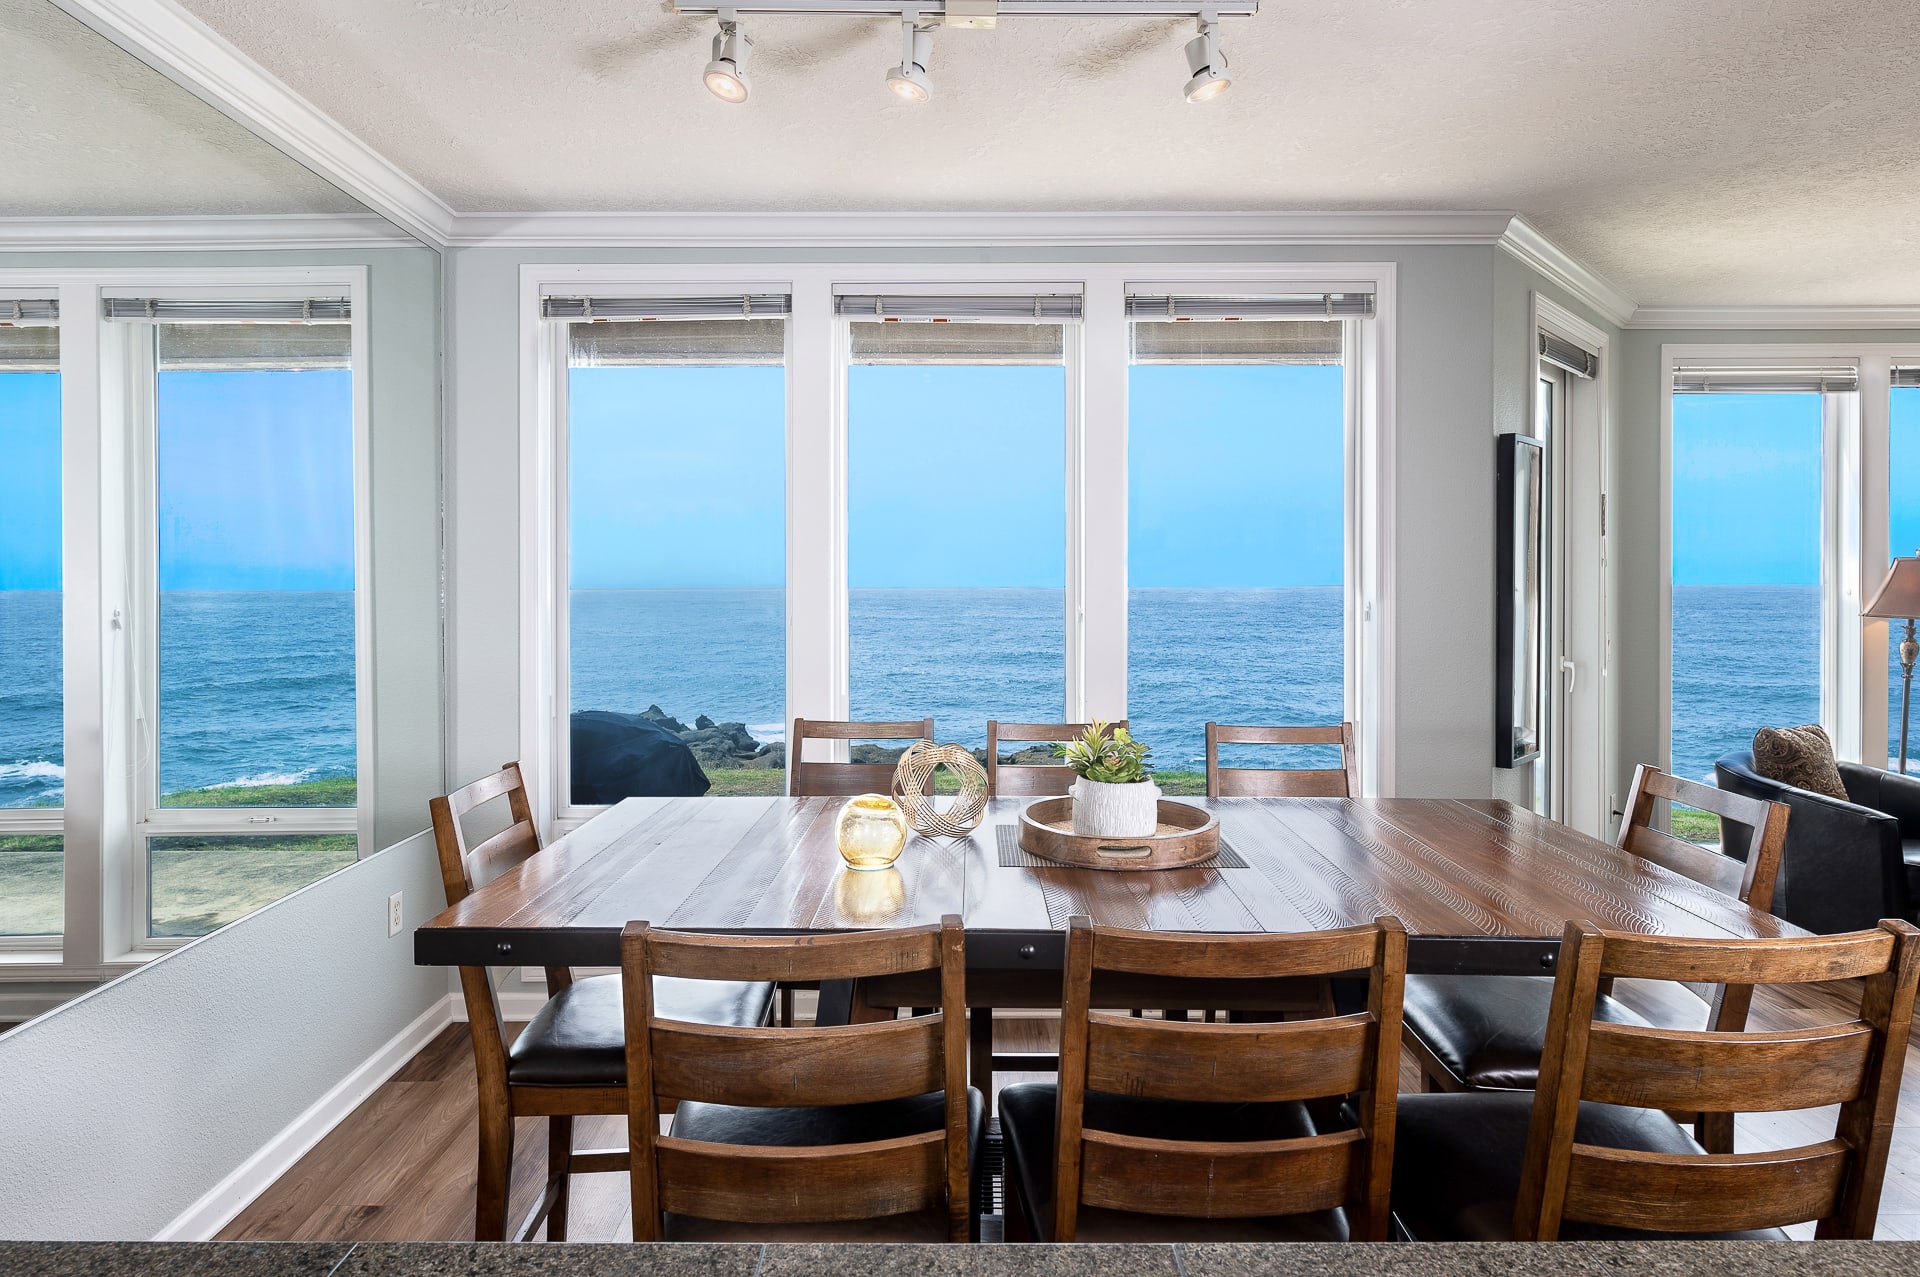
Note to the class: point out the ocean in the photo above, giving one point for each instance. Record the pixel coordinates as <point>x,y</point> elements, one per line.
<point>257,687</point>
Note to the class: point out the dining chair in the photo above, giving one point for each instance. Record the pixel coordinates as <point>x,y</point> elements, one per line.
<point>1273,782</point>
<point>1590,1155</point>
<point>1164,1131</point>
<point>1486,1033</point>
<point>814,779</point>
<point>1040,780</point>
<point>859,1132</point>
<point>569,1061</point>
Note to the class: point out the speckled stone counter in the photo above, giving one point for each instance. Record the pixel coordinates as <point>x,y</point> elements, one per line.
<point>391,1259</point>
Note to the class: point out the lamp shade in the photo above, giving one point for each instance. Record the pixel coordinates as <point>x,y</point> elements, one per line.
<point>1899,594</point>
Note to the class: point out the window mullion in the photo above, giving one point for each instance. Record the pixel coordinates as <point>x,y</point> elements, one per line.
<point>1097,497</point>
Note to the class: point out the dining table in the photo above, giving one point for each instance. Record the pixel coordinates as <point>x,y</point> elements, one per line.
<point>1481,885</point>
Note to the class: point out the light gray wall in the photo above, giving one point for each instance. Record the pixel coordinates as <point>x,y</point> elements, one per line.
<point>129,1103</point>
<point>1444,534</point>
<point>1640,471</point>
<point>403,327</point>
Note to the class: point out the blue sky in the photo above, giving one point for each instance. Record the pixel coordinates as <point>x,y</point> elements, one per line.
<point>1235,479</point>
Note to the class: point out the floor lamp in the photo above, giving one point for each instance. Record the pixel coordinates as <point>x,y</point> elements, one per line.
<point>1898,598</point>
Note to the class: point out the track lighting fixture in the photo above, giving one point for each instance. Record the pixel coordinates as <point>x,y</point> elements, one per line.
<point>727,72</point>
<point>1207,65</point>
<point>909,81</point>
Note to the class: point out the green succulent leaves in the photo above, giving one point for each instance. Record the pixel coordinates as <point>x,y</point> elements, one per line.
<point>1106,756</point>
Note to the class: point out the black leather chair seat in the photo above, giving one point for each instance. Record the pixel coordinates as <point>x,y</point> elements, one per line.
<point>1489,1031</point>
<point>1027,1125</point>
<point>1457,1158</point>
<point>1910,852</point>
<point>579,1038</point>
<point>838,1124</point>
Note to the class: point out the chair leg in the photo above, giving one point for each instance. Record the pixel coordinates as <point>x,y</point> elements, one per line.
<point>786,1006</point>
<point>1714,1131</point>
<point>559,1170</point>
<point>494,1181</point>
<point>980,1051</point>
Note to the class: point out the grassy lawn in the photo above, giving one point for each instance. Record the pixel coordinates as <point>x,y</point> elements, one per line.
<point>31,878</point>
<point>1694,826</point>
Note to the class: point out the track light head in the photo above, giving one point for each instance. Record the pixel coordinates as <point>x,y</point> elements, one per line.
<point>1206,64</point>
<point>726,74</point>
<point>909,81</point>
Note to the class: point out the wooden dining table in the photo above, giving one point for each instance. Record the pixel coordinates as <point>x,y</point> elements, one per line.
<point>1482,886</point>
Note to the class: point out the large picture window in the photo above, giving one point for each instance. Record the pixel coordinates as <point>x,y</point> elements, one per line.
<point>1236,524</point>
<point>675,546</point>
<point>246,742</point>
<point>956,510</point>
<point>1903,526</point>
<point>32,723</point>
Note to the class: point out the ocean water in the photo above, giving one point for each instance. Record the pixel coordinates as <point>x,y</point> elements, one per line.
<point>257,688</point>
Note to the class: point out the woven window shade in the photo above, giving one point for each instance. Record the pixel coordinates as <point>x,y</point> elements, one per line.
<point>1247,341</point>
<point>1723,379</point>
<point>676,342</point>
<point>315,310</point>
<point>1572,356</point>
<point>30,310</point>
<point>1177,308</point>
<point>704,307</point>
<point>31,348</point>
<point>1906,376</point>
<point>968,343</point>
<point>227,347</point>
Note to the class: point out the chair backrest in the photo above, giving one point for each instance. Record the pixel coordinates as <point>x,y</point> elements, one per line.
<point>1350,1055</point>
<point>462,869</point>
<point>1765,826</point>
<point>670,1060</point>
<point>1037,779</point>
<point>1856,1065</point>
<point>1268,782</point>
<point>810,779</point>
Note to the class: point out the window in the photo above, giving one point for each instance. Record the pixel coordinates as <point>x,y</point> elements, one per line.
<point>956,509</point>
<point>1237,448</point>
<point>246,743</point>
<point>674,546</point>
<point>1903,524</point>
<point>32,723</point>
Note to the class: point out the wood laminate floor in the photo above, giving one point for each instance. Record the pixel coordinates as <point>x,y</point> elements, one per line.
<point>401,1166</point>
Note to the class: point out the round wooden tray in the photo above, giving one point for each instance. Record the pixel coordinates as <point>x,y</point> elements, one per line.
<point>1187,836</point>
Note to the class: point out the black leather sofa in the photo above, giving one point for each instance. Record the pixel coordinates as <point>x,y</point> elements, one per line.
<point>1846,864</point>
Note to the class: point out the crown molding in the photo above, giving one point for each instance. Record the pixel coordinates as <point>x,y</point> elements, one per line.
<point>177,44</point>
<point>966,230</point>
<point>1776,317</point>
<point>137,234</point>
<point>1586,285</point>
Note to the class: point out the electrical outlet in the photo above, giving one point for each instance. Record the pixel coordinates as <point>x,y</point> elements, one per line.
<point>393,914</point>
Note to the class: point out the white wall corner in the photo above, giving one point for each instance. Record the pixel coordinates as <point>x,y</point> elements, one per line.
<point>221,1203</point>
<point>1582,282</point>
<point>193,55</point>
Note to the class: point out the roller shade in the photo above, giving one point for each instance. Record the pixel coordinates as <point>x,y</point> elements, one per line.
<point>673,342</point>
<point>20,310</point>
<point>229,347</point>
<point>1177,308</point>
<point>1906,376</point>
<point>736,306</point>
<point>312,310</point>
<point>34,348</point>
<point>1255,341</point>
<point>1043,308</point>
<point>1572,356</point>
<point>1722,379</point>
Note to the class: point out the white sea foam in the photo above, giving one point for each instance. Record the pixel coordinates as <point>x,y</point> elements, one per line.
<point>267,778</point>
<point>767,733</point>
<point>37,769</point>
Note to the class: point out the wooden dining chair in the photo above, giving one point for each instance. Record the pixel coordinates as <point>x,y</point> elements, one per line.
<point>860,1132</point>
<point>1273,782</point>
<point>1486,1033</point>
<point>811,779</point>
<point>569,1061</point>
<point>1589,1155</point>
<point>1162,1131</point>
<point>1040,780</point>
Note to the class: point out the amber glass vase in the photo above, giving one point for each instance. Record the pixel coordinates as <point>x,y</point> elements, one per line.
<point>870,832</point>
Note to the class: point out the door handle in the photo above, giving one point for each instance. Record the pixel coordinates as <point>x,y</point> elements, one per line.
<point>1572,672</point>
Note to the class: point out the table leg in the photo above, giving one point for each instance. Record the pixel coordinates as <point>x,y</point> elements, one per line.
<point>980,1050</point>
<point>836,1003</point>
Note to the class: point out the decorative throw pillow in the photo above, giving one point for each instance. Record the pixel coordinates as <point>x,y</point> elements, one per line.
<point>1798,756</point>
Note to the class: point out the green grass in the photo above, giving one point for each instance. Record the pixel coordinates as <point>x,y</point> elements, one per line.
<point>339,791</point>
<point>32,877</point>
<point>1694,826</point>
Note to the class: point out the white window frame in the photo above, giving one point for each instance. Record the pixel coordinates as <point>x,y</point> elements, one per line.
<point>1854,530</point>
<point>105,543</point>
<point>816,515</point>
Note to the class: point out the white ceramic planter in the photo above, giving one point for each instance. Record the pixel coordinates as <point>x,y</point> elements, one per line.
<point>1115,811</point>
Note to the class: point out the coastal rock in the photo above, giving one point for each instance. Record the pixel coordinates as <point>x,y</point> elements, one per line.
<point>654,714</point>
<point>702,723</point>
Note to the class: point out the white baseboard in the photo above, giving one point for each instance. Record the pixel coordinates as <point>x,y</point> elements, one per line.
<point>206,1217</point>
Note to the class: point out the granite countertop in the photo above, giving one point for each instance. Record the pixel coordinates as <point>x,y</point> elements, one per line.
<point>379,1259</point>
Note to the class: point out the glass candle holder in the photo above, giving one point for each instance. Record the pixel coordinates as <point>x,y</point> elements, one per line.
<point>870,832</point>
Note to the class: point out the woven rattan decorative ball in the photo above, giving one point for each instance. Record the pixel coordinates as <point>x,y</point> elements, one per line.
<point>910,786</point>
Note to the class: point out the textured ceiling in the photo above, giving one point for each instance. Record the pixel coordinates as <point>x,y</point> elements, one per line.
<point>1698,152</point>
<point>91,131</point>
